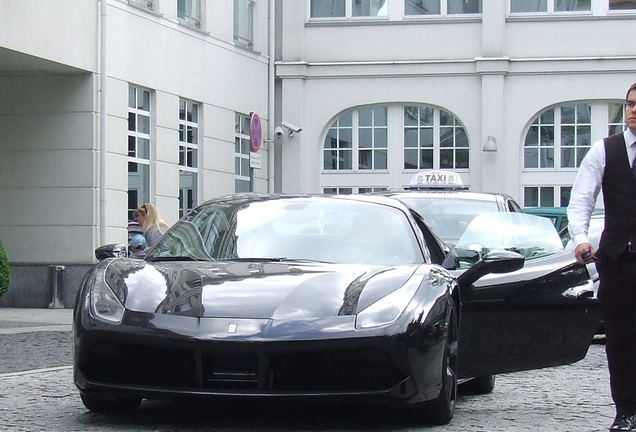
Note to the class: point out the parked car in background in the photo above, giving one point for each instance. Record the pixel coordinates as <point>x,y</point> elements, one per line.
<point>558,215</point>
<point>441,198</point>
<point>327,298</point>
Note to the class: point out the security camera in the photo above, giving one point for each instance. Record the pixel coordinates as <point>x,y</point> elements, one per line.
<point>278,132</point>
<point>292,127</point>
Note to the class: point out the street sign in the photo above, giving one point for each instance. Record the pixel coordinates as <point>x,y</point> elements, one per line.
<point>255,160</point>
<point>256,132</point>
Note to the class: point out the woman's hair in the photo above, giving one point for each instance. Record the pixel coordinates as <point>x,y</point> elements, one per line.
<point>151,217</point>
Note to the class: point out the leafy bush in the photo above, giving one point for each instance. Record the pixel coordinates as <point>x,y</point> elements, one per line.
<point>5,271</point>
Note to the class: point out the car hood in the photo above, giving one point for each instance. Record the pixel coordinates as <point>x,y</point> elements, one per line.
<point>264,290</point>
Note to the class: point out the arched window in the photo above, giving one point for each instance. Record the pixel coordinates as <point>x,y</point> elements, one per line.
<point>372,148</point>
<point>556,143</point>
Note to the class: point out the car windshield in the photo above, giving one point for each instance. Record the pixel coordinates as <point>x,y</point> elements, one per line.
<point>301,228</point>
<point>449,217</point>
<point>531,236</point>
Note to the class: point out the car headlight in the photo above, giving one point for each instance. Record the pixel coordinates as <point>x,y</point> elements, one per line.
<point>388,308</point>
<point>104,304</point>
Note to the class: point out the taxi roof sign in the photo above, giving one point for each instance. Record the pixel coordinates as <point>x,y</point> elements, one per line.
<point>436,179</point>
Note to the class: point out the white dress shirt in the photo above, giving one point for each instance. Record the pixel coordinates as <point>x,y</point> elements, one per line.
<point>588,185</point>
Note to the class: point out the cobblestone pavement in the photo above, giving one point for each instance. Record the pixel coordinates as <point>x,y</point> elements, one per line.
<point>567,398</point>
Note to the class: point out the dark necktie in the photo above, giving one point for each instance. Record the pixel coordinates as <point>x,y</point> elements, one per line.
<point>634,165</point>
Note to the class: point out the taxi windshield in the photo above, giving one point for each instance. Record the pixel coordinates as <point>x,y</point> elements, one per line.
<point>449,216</point>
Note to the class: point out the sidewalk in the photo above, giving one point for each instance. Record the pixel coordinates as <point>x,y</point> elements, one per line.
<point>24,320</point>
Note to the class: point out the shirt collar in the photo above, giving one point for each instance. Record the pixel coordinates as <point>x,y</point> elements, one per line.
<point>629,137</point>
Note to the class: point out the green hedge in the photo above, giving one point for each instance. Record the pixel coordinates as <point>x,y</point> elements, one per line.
<point>5,271</point>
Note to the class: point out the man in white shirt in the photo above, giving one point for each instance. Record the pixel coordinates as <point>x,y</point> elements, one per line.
<point>610,167</point>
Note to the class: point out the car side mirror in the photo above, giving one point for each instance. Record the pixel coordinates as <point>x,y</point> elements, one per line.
<point>112,250</point>
<point>499,261</point>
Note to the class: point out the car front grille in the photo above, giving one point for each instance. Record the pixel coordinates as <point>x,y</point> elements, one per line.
<point>244,371</point>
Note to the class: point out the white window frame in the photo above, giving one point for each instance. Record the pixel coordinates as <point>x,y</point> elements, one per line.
<point>144,4</point>
<point>355,149</point>
<point>557,129</point>
<point>550,10</point>
<point>443,8</point>
<point>194,16</point>
<point>349,13</point>
<point>242,141</point>
<point>244,22</point>
<point>187,145</point>
<point>556,192</point>
<point>146,183</point>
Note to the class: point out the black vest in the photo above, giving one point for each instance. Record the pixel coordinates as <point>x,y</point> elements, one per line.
<point>619,195</point>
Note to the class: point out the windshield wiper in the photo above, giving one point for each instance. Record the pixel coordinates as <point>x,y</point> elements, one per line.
<point>272,259</point>
<point>175,258</point>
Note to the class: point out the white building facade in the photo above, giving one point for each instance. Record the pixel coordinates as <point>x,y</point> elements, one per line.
<point>384,89</point>
<point>108,104</point>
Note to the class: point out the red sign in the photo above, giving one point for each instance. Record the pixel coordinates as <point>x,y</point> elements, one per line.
<point>256,132</point>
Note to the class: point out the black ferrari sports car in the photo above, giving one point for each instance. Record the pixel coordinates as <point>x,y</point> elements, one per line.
<point>327,298</point>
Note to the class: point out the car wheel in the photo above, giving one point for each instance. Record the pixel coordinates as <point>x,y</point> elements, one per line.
<point>103,404</point>
<point>441,410</point>
<point>479,385</point>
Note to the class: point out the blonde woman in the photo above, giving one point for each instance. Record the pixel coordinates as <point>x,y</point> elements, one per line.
<point>148,217</point>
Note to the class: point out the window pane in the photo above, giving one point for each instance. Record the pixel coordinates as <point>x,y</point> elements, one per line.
<point>422,7</point>
<point>330,160</point>
<point>461,158</point>
<point>365,117</point>
<point>410,159</point>
<point>380,116</point>
<point>528,6</point>
<point>446,159</point>
<point>565,196</point>
<point>365,160</point>
<point>143,124</point>
<point>410,137</point>
<point>461,139</point>
<point>182,109</point>
<point>572,5</point>
<point>346,120</point>
<point>346,138</point>
<point>346,159</point>
<point>144,100</point>
<point>327,8</point>
<point>426,137</point>
<point>380,161</point>
<point>143,148</point>
<point>446,137</point>
<point>547,158</point>
<point>621,4</point>
<point>426,159</point>
<point>380,137</point>
<point>364,138</point>
<point>531,197</point>
<point>546,197</point>
<point>567,157</point>
<point>531,158</point>
<point>464,6</point>
<point>243,22</point>
<point>369,8</point>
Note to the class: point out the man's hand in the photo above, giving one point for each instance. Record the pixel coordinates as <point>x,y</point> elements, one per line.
<point>584,253</point>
